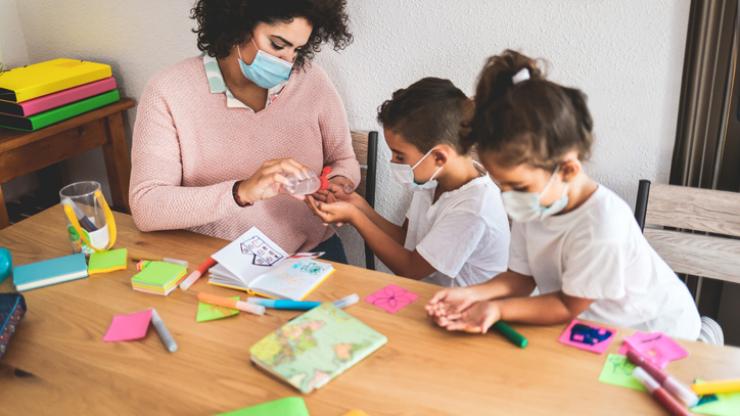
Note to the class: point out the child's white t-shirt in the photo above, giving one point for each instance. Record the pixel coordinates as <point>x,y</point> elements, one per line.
<point>598,252</point>
<point>464,235</point>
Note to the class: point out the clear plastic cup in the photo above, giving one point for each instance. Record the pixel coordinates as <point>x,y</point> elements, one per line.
<point>90,223</point>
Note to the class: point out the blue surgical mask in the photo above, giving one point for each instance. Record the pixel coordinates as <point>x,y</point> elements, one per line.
<point>525,206</point>
<point>266,70</point>
<point>404,174</point>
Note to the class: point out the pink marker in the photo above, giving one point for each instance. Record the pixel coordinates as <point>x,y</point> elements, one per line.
<point>675,387</point>
<point>200,271</point>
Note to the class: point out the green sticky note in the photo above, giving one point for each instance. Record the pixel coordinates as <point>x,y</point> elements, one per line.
<point>289,406</point>
<point>726,404</point>
<point>208,312</point>
<point>618,371</point>
<point>159,274</point>
<point>108,261</point>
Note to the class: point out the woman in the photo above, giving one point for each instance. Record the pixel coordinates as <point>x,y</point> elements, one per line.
<point>216,135</point>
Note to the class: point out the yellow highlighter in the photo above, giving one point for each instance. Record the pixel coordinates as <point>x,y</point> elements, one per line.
<point>718,386</point>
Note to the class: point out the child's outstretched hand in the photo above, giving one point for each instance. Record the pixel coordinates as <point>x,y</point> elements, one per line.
<point>335,212</point>
<point>450,303</point>
<point>476,319</point>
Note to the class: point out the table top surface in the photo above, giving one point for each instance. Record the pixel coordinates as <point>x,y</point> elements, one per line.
<point>57,359</point>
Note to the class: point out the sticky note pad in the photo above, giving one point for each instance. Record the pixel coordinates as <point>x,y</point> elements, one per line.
<point>288,406</point>
<point>208,312</point>
<point>587,337</point>
<point>391,298</point>
<point>158,277</point>
<point>128,327</point>
<point>108,261</point>
<point>655,346</point>
<point>618,371</point>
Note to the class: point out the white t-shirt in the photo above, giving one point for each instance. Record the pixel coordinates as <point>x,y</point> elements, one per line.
<point>464,235</point>
<point>598,252</point>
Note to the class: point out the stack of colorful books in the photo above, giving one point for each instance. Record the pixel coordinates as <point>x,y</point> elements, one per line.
<point>39,95</point>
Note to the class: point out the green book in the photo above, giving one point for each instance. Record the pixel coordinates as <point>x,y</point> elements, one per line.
<point>289,406</point>
<point>316,347</point>
<point>47,118</point>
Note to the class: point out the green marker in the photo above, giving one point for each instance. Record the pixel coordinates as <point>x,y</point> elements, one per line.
<point>510,334</point>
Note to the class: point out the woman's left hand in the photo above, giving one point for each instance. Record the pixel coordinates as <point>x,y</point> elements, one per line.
<point>339,189</point>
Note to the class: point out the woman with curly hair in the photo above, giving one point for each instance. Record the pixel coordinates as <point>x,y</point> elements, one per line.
<point>216,136</point>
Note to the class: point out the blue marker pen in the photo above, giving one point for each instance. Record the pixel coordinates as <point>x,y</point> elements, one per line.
<point>297,305</point>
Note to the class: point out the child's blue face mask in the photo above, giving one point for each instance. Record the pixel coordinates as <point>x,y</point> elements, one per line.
<point>266,70</point>
<point>525,206</point>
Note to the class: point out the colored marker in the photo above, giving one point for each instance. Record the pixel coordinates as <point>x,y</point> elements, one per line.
<point>200,271</point>
<point>714,387</point>
<point>164,334</point>
<point>659,393</point>
<point>511,334</point>
<point>675,387</point>
<point>298,305</point>
<point>231,303</point>
<point>183,263</point>
<point>81,217</point>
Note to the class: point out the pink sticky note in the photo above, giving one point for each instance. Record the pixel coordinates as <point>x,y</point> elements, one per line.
<point>128,327</point>
<point>391,298</point>
<point>587,337</point>
<point>655,346</point>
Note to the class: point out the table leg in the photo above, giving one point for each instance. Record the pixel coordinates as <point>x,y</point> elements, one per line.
<point>117,161</point>
<point>4,219</point>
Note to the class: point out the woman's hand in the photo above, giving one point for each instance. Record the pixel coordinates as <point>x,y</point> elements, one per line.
<point>339,189</point>
<point>337,212</point>
<point>450,303</point>
<point>270,179</point>
<point>476,319</point>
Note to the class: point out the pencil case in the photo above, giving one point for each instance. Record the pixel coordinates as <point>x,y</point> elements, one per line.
<point>12,309</point>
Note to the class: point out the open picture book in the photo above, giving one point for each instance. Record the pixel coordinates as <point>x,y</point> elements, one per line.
<point>256,264</point>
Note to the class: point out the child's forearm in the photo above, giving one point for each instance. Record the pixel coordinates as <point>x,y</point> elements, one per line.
<point>506,284</point>
<point>391,252</point>
<point>547,309</point>
<point>397,233</point>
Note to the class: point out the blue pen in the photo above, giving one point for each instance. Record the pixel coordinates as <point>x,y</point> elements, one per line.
<point>297,305</point>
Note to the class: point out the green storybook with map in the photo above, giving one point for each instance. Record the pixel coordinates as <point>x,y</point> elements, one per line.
<point>316,347</point>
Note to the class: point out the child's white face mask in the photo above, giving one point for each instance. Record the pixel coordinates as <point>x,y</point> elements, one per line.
<point>404,174</point>
<point>525,206</point>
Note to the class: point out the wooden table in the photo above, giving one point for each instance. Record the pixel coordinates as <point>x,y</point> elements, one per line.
<point>57,361</point>
<point>25,152</point>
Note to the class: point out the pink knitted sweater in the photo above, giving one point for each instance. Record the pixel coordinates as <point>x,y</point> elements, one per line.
<point>189,149</point>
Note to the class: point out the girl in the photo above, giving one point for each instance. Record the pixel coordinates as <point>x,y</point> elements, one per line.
<point>574,240</point>
<point>456,232</point>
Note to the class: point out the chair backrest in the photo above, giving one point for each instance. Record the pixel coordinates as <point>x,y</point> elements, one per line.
<point>696,231</point>
<point>365,144</point>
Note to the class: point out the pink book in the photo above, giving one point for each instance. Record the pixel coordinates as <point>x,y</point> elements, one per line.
<point>57,99</point>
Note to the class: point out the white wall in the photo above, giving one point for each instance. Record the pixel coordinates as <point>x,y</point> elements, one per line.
<point>626,55</point>
<point>13,52</point>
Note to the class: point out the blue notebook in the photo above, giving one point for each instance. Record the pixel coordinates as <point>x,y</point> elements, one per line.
<point>49,272</point>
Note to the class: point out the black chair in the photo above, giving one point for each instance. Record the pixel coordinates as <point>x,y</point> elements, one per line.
<point>365,144</point>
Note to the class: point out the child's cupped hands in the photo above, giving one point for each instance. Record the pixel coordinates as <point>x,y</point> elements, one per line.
<point>338,212</point>
<point>478,318</point>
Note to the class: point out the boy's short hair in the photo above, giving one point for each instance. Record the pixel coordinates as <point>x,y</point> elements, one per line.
<point>429,112</point>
